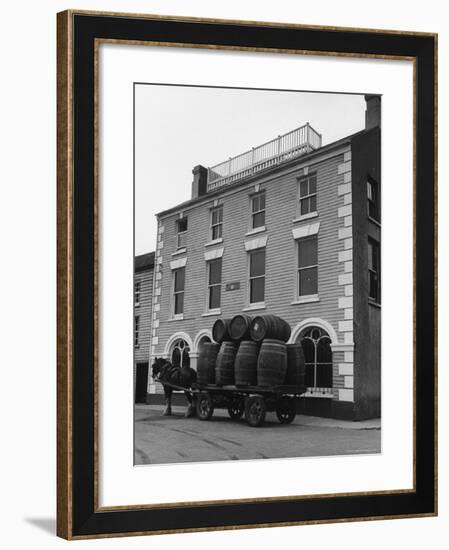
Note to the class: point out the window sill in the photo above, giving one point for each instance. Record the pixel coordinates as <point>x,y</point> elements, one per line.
<point>215,241</point>
<point>306,299</point>
<point>373,303</point>
<point>255,307</point>
<point>260,229</point>
<point>211,313</point>
<point>180,251</point>
<point>177,318</point>
<point>376,222</point>
<point>306,217</point>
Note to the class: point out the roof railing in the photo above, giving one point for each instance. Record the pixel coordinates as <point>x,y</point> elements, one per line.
<point>281,149</point>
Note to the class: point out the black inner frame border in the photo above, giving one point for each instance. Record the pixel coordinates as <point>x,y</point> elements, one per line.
<point>86,520</point>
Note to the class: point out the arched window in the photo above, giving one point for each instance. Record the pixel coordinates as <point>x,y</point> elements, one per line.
<point>180,355</point>
<point>201,343</point>
<point>318,358</point>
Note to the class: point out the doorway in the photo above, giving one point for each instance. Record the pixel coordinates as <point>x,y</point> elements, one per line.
<point>141,382</point>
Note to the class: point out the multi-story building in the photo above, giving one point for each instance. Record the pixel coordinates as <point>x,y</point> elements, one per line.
<point>290,228</point>
<point>143,295</point>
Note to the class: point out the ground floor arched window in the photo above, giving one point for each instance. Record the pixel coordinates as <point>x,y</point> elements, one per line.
<point>204,339</point>
<point>316,345</point>
<point>180,354</point>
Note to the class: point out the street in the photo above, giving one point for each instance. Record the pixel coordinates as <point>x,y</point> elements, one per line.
<point>174,439</point>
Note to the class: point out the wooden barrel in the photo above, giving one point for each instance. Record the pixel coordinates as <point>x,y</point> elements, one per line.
<point>296,367</point>
<point>246,364</point>
<point>239,328</point>
<point>271,363</point>
<point>224,369</point>
<point>220,330</point>
<point>269,326</point>
<point>205,372</point>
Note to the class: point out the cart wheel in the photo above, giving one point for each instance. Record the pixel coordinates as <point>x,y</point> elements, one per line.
<point>255,411</point>
<point>236,409</point>
<point>286,410</point>
<point>204,406</point>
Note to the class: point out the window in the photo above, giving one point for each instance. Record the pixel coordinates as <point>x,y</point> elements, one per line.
<point>214,284</point>
<point>217,223</point>
<point>178,290</point>
<point>180,355</point>
<point>373,198</point>
<point>318,359</point>
<point>374,270</point>
<point>258,210</point>
<point>136,329</point>
<point>137,293</point>
<point>308,266</point>
<point>307,195</point>
<point>181,233</point>
<point>257,276</point>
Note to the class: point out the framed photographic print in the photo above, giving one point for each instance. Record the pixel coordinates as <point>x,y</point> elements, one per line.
<point>246,274</point>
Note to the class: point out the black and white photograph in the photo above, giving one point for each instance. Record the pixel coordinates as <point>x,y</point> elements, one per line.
<point>257,273</point>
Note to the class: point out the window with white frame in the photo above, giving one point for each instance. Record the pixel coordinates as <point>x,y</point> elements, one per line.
<point>374,270</point>
<point>307,266</point>
<point>137,293</point>
<point>216,223</point>
<point>307,195</point>
<point>180,353</point>
<point>214,268</point>
<point>181,232</point>
<point>258,210</point>
<point>136,329</point>
<point>178,290</point>
<point>257,276</point>
<point>316,346</point>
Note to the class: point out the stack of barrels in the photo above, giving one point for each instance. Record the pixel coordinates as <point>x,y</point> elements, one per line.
<point>251,352</point>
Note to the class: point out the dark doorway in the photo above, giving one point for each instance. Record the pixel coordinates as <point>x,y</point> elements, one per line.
<point>141,382</point>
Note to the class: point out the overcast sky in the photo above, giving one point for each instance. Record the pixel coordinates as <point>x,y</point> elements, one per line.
<point>178,127</point>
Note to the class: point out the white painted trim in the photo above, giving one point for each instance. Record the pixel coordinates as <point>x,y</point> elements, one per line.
<point>177,264</point>
<point>211,313</point>
<point>305,217</point>
<point>346,395</point>
<point>213,254</point>
<point>172,340</point>
<point>260,229</point>
<point>216,241</point>
<point>254,307</point>
<point>253,244</point>
<point>306,230</point>
<point>316,322</point>
<point>306,299</point>
<point>347,347</point>
<point>201,334</point>
<point>344,167</point>
<point>346,369</point>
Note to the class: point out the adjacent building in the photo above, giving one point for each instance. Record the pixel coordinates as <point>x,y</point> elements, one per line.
<point>143,295</point>
<point>290,228</point>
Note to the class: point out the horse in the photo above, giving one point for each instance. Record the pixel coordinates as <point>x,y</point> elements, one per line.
<point>163,371</point>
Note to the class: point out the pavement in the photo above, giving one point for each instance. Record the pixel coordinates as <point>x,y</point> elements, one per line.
<point>175,439</point>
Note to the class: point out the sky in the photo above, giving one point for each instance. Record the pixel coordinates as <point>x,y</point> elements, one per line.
<point>179,127</point>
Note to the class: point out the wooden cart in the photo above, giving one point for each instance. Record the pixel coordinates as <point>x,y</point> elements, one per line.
<point>251,401</point>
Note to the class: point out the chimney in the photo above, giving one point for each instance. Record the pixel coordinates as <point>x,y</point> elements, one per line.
<point>372,113</point>
<point>199,183</point>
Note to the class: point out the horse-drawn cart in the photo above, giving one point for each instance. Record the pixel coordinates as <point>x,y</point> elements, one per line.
<point>252,401</point>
